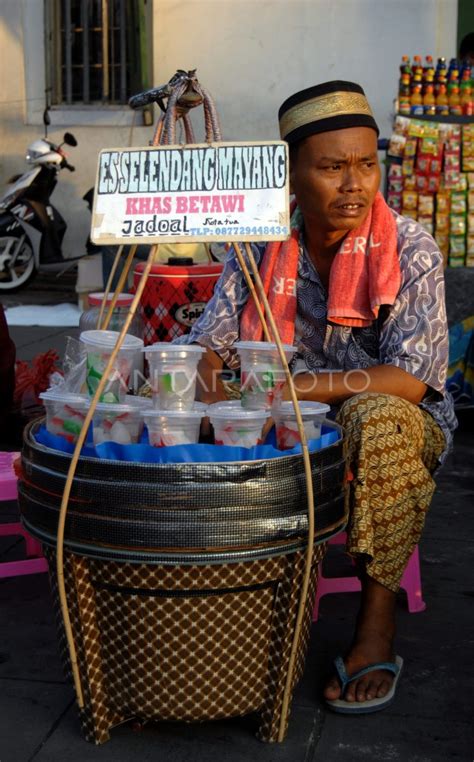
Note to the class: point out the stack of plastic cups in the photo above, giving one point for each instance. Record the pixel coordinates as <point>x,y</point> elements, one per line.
<point>287,432</point>
<point>65,413</point>
<point>117,416</point>
<point>262,374</point>
<point>235,426</point>
<point>262,379</point>
<point>120,422</point>
<point>99,346</point>
<point>176,416</point>
<point>174,427</point>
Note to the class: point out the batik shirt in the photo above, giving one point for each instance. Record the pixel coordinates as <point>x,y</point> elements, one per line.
<point>413,334</point>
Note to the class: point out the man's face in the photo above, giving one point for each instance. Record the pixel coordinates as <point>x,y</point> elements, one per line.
<point>335,177</point>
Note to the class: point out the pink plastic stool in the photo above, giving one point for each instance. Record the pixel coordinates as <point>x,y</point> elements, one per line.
<point>35,562</point>
<point>411,581</point>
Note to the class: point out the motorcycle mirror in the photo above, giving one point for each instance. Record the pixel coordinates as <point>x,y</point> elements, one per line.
<point>46,118</point>
<point>69,139</point>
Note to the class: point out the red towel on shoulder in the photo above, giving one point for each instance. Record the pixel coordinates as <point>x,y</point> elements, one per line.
<point>364,275</point>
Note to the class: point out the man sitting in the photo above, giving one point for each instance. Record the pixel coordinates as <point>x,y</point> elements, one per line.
<point>370,326</point>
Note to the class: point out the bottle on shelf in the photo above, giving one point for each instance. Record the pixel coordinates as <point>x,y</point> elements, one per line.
<point>417,69</point>
<point>404,102</point>
<point>441,74</point>
<point>405,67</point>
<point>429,101</point>
<point>428,71</point>
<point>466,98</point>
<point>453,71</point>
<point>454,101</point>
<point>404,86</point>
<point>466,73</point>
<point>404,83</point>
<point>416,101</point>
<point>442,105</point>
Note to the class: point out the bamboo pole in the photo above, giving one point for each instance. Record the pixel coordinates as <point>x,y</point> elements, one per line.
<point>120,285</point>
<point>109,284</point>
<point>309,491</point>
<point>72,470</point>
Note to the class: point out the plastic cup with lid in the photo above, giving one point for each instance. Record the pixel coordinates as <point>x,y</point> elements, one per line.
<point>262,374</point>
<point>173,374</point>
<point>99,346</point>
<point>90,316</point>
<point>120,422</point>
<point>287,433</point>
<point>174,427</point>
<point>236,426</point>
<point>65,413</point>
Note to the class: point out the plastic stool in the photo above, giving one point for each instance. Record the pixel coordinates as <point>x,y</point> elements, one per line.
<point>35,562</point>
<point>411,582</point>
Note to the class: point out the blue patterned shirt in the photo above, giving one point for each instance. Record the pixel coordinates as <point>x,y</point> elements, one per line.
<point>412,335</point>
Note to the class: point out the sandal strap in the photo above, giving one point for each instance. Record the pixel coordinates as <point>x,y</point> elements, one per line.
<point>344,678</point>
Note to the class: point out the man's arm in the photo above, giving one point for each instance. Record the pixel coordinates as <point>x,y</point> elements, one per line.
<point>336,386</point>
<point>209,386</point>
<point>413,338</point>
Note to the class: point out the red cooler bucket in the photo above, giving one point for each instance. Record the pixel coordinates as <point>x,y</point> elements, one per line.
<point>174,297</point>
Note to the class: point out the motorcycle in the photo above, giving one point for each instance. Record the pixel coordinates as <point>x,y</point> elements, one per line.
<point>31,229</point>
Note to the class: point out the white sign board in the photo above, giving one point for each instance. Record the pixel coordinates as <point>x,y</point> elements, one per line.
<point>211,192</point>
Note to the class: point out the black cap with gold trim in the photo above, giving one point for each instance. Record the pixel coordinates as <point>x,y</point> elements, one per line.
<point>322,108</point>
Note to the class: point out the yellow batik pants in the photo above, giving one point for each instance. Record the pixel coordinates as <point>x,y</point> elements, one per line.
<point>393,447</point>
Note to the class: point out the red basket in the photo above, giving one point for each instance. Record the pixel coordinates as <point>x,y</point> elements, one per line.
<point>174,297</point>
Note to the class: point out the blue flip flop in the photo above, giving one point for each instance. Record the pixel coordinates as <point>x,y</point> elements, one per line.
<point>364,707</point>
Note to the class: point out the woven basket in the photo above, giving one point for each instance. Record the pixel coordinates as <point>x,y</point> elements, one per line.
<point>183,581</point>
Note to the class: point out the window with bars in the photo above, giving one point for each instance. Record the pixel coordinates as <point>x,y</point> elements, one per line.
<point>97,51</point>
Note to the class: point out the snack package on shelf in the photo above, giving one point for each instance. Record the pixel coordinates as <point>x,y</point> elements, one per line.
<point>396,145</point>
<point>426,206</point>
<point>431,175</point>
<point>468,148</point>
<point>457,226</point>
<point>458,203</point>
<point>441,223</point>
<point>394,200</point>
<point>470,251</point>
<point>442,239</point>
<point>409,201</point>
<point>457,251</point>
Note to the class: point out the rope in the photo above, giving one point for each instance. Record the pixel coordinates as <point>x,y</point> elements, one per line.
<point>169,132</point>
<point>72,471</point>
<point>211,119</point>
<point>307,463</point>
<point>165,132</point>
<point>158,130</point>
<point>309,493</point>
<point>188,130</point>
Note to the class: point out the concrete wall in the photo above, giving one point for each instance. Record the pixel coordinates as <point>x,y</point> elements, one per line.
<point>250,54</point>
